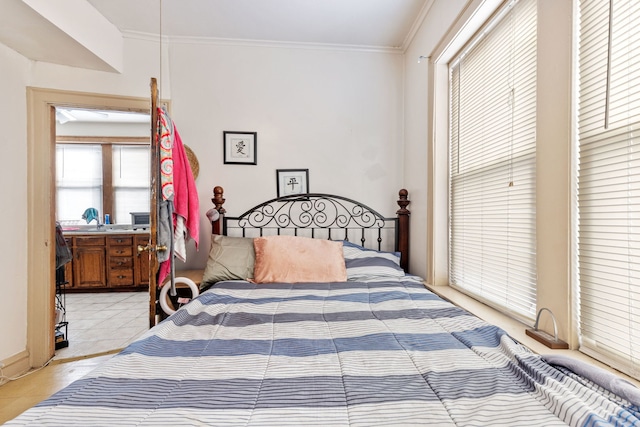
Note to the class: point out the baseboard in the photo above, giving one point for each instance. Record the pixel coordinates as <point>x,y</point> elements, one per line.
<point>15,366</point>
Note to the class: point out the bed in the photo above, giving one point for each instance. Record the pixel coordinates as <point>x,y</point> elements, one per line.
<point>353,340</point>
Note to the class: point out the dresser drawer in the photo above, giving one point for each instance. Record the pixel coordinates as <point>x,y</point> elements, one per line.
<point>89,241</point>
<point>120,240</point>
<point>120,276</point>
<point>121,262</point>
<point>117,251</point>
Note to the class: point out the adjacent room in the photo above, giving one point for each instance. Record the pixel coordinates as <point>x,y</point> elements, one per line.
<point>102,207</point>
<point>266,158</point>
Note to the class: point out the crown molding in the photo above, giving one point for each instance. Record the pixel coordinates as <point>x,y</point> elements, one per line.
<point>416,24</point>
<point>259,43</point>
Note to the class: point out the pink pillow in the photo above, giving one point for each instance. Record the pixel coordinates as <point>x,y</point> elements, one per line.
<point>294,259</point>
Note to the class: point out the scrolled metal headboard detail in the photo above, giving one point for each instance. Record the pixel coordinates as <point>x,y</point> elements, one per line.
<point>319,215</point>
<point>312,214</point>
<point>313,211</point>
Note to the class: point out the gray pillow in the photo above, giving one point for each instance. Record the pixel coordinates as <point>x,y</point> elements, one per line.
<point>230,258</point>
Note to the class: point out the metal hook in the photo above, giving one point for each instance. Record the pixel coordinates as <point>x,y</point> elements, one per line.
<point>543,337</point>
<point>553,318</point>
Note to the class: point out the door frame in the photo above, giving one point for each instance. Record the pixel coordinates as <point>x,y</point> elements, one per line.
<point>41,204</point>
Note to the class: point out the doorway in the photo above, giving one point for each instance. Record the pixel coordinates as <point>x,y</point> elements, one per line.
<point>102,163</point>
<point>41,111</point>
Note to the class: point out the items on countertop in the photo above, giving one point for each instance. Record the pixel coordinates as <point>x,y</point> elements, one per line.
<point>90,214</point>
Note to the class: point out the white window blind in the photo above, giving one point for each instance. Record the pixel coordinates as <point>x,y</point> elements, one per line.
<point>78,181</point>
<point>492,171</point>
<point>131,177</point>
<point>609,181</point>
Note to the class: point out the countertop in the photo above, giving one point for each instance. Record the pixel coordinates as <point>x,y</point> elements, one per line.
<point>104,231</point>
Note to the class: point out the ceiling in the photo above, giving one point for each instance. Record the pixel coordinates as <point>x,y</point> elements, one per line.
<point>370,23</point>
<point>90,33</point>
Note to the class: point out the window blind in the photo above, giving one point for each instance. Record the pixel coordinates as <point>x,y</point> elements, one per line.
<point>78,181</point>
<point>609,181</point>
<point>131,177</point>
<point>492,240</point>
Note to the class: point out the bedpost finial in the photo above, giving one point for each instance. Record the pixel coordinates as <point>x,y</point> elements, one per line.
<point>403,202</point>
<point>218,198</point>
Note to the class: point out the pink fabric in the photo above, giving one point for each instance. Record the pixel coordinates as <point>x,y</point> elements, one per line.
<point>165,142</point>
<point>185,199</point>
<point>186,203</point>
<point>296,259</point>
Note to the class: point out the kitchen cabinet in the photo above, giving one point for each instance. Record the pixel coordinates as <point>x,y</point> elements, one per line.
<point>89,262</point>
<point>107,262</point>
<point>141,260</point>
<point>120,261</point>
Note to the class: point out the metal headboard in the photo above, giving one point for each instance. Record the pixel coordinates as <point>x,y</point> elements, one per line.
<point>319,215</point>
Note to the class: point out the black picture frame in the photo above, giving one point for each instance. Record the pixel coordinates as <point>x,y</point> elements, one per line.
<point>292,181</point>
<point>240,148</point>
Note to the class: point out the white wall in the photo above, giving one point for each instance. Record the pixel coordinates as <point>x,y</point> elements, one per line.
<point>337,113</point>
<point>416,114</point>
<point>16,74</point>
<point>14,77</point>
<point>141,62</point>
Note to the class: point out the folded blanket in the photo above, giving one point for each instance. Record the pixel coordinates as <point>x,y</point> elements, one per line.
<point>599,376</point>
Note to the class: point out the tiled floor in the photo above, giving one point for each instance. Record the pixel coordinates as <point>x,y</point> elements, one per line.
<point>103,322</point>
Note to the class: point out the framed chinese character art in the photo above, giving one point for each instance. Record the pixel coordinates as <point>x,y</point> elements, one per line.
<point>240,148</point>
<point>292,181</point>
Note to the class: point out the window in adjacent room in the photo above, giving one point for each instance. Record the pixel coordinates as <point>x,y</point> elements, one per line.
<point>130,181</point>
<point>78,180</point>
<point>609,181</point>
<point>111,177</point>
<point>492,174</point>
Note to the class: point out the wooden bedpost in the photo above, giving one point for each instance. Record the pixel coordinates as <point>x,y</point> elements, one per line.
<point>403,229</point>
<point>218,200</point>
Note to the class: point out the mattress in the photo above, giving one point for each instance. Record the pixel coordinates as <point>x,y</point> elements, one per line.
<point>382,352</point>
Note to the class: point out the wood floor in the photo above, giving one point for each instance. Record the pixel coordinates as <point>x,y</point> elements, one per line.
<point>100,324</point>
<point>21,394</point>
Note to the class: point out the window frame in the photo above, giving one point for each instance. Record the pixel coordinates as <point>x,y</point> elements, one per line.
<point>606,111</point>
<point>507,161</point>
<point>106,143</point>
<point>554,153</point>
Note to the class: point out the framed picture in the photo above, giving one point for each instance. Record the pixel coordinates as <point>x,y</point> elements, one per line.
<point>292,181</point>
<point>240,148</point>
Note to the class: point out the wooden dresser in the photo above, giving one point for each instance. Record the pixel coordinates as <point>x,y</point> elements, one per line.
<point>107,261</point>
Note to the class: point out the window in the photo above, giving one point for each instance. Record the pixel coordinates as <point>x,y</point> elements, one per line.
<point>78,180</point>
<point>609,181</point>
<point>113,178</point>
<point>130,181</point>
<point>492,241</point>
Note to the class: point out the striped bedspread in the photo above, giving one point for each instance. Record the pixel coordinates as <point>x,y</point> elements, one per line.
<point>327,354</point>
